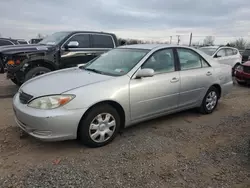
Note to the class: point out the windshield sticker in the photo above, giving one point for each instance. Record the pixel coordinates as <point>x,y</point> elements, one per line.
<point>119,70</point>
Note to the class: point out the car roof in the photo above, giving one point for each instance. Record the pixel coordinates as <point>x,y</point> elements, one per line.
<point>150,46</point>
<point>215,47</point>
<point>94,32</point>
<point>13,40</point>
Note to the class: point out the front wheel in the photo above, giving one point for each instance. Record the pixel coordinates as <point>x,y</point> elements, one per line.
<point>36,71</point>
<point>234,68</point>
<point>15,81</point>
<point>100,126</point>
<point>210,101</point>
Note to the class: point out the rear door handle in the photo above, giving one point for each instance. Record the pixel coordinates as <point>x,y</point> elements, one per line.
<point>209,73</point>
<point>173,80</point>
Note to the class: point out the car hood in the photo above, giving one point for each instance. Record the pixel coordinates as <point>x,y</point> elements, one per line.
<point>14,49</point>
<point>61,81</point>
<point>246,63</point>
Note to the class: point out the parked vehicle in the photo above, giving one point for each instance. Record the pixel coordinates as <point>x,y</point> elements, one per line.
<point>10,42</point>
<point>35,41</point>
<point>58,51</point>
<point>225,55</point>
<point>122,87</point>
<point>242,73</point>
<point>246,55</point>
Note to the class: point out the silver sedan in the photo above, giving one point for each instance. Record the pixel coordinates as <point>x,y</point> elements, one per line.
<point>122,87</point>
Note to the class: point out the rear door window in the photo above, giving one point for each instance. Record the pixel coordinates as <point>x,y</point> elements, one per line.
<point>229,52</point>
<point>221,53</point>
<point>102,41</point>
<point>22,42</point>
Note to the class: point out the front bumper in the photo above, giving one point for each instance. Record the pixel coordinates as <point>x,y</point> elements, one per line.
<point>242,76</point>
<point>47,125</point>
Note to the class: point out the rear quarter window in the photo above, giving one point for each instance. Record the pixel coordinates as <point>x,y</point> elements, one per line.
<point>102,41</point>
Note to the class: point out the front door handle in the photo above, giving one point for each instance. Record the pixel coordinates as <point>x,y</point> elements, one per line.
<point>173,80</point>
<point>209,73</point>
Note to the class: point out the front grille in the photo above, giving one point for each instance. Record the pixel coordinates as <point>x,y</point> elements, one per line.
<point>24,97</point>
<point>246,69</point>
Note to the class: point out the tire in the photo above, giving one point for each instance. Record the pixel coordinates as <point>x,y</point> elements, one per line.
<point>94,124</point>
<point>15,81</point>
<point>211,93</point>
<point>233,69</point>
<point>36,71</point>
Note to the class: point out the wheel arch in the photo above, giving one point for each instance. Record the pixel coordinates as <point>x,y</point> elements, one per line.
<point>41,63</point>
<point>112,103</point>
<point>218,87</point>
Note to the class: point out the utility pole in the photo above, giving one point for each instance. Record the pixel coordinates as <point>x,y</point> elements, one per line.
<point>170,40</point>
<point>178,36</point>
<point>190,40</point>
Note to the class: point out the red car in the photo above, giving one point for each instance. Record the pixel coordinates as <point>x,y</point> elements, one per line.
<point>242,73</point>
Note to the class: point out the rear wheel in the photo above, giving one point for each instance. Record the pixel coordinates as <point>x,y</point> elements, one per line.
<point>37,71</point>
<point>210,101</point>
<point>100,126</point>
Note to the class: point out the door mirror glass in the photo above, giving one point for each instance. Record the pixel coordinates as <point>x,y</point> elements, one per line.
<point>72,44</point>
<point>145,73</point>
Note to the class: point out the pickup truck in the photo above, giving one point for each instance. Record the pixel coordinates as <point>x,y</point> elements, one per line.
<point>58,51</point>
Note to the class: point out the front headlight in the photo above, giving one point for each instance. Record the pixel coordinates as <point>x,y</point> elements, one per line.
<point>239,68</point>
<point>50,102</point>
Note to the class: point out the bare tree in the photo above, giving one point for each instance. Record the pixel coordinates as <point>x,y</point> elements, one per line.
<point>208,41</point>
<point>240,43</point>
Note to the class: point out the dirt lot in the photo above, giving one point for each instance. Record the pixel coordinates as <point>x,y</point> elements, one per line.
<point>181,150</point>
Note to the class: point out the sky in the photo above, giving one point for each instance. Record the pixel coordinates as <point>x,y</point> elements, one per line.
<point>155,20</point>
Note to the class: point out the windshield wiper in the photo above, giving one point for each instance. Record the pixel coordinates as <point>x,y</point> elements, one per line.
<point>93,70</point>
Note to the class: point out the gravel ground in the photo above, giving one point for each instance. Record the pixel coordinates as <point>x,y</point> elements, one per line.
<point>181,150</point>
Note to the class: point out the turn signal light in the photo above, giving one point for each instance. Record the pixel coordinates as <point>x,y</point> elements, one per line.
<point>10,62</point>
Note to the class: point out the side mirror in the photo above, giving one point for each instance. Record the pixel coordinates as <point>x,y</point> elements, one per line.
<point>72,44</point>
<point>145,73</point>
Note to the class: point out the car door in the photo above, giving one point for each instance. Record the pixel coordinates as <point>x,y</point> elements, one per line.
<point>154,95</point>
<point>195,77</point>
<point>221,56</point>
<point>231,58</point>
<point>79,53</point>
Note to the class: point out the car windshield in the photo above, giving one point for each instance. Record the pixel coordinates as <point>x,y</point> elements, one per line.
<point>116,62</point>
<point>208,51</point>
<point>54,39</point>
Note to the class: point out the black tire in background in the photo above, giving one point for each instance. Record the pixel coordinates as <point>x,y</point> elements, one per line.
<point>234,68</point>
<point>203,107</point>
<point>84,130</point>
<point>15,81</point>
<point>36,71</point>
